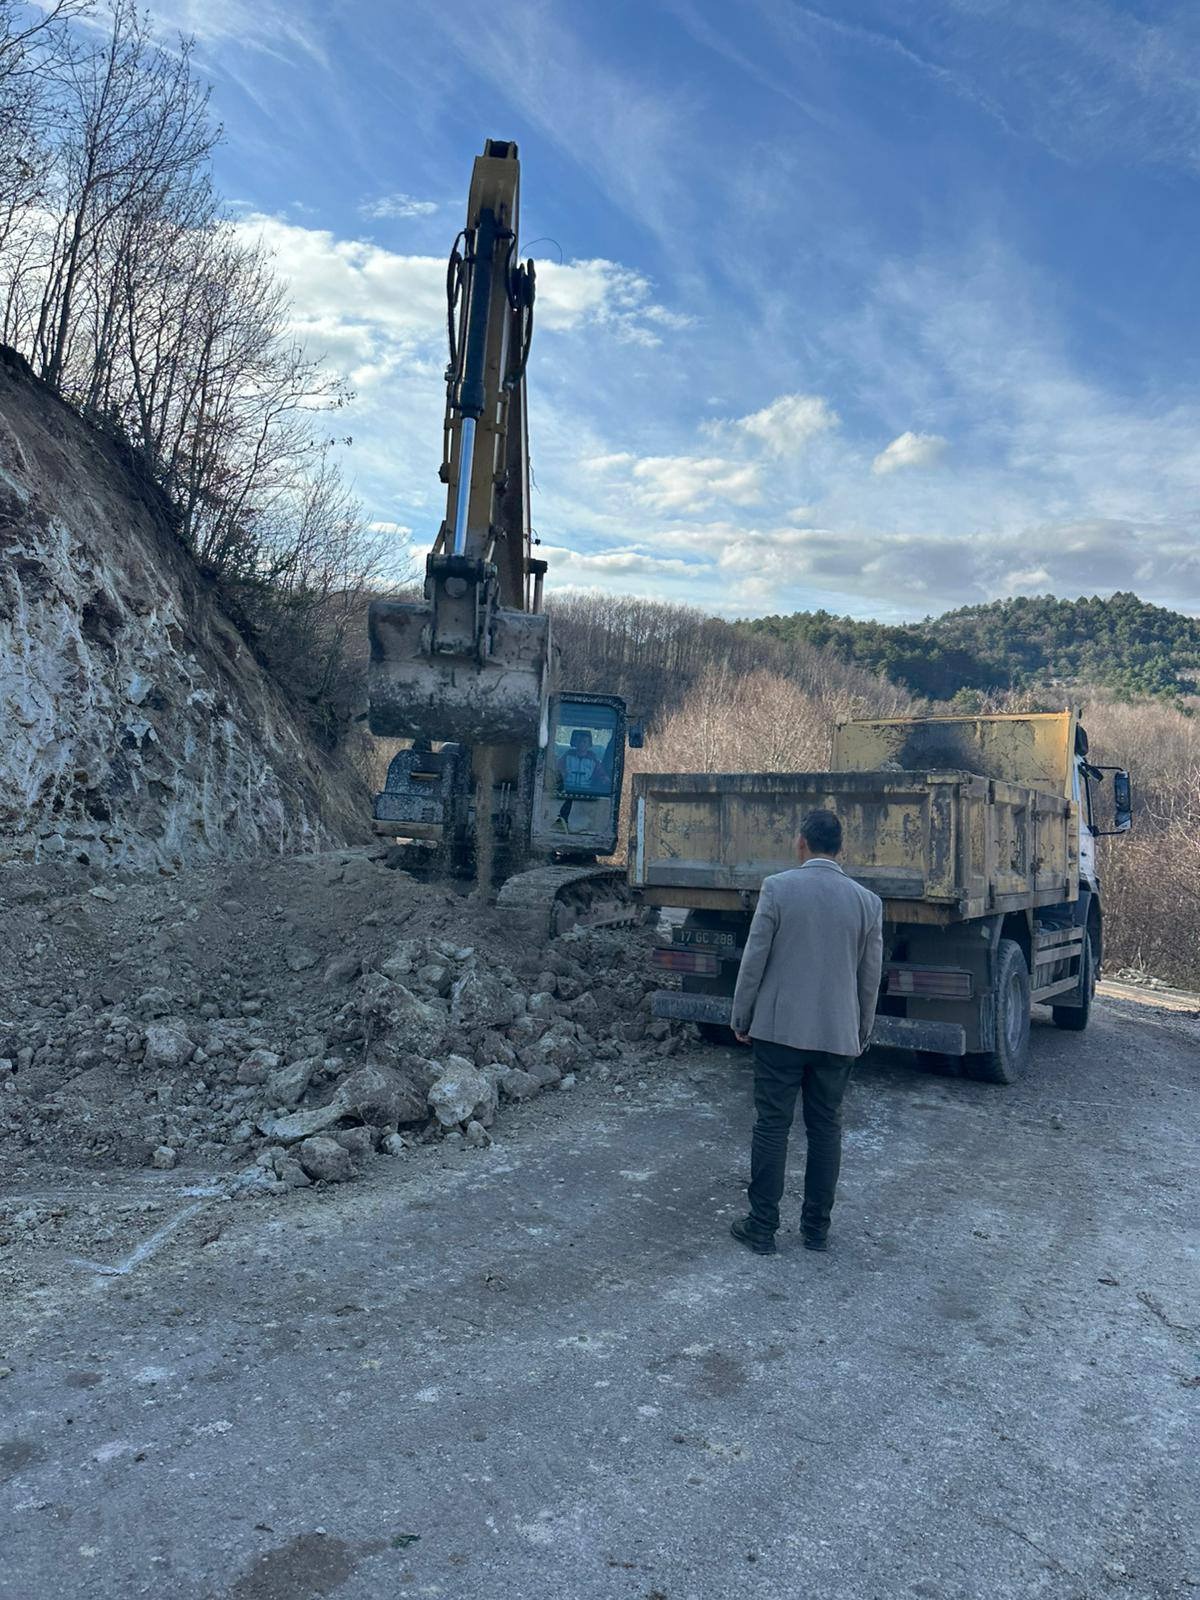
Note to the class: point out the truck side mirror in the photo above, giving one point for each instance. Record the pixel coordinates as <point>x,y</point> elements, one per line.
<point>1122,802</point>
<point>635,736</point>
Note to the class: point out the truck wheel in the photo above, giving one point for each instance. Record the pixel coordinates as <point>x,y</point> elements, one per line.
<point>1075,1018</point>
<point>1008,1060</point>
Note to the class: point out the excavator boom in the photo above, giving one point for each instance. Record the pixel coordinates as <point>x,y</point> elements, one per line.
<point>470,662</point>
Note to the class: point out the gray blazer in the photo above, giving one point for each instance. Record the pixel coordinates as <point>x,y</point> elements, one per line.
<point>810,972</point>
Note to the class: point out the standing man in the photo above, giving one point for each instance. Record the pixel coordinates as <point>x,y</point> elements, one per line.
<point>806,995</point>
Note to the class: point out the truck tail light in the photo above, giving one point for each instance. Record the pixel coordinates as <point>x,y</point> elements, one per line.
<point>930,983</point>
<point>696,961</point>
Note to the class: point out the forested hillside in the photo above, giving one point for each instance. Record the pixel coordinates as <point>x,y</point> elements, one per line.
<point>1121,642</point>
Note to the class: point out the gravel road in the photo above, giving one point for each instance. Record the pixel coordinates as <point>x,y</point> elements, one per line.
<point>544,1368</point>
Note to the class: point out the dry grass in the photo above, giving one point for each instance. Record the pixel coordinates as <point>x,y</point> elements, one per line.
<point>1151,876</point>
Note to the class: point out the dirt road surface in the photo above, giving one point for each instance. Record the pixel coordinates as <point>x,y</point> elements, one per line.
<point>544,1368</point>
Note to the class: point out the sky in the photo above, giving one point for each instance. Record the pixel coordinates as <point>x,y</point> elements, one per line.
<point>881,306</point>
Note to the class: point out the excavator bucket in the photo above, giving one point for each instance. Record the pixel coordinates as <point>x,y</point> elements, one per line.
<point>423,686</point>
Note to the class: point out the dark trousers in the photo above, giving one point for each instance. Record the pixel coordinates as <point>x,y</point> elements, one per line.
<point>780,1074</point>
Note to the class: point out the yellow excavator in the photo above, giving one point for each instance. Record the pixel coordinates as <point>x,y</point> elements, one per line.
<point>507,777</point>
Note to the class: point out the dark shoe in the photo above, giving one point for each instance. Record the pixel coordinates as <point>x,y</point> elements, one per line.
<point>813,1240</point>
<point>763,1244</point>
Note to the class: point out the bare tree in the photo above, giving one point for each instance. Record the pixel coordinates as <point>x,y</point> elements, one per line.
<point>655,654</point>
<point>138,130</point>
<point>35,48</point>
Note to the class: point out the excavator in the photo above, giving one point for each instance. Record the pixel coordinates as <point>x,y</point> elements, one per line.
<point>507,777</point>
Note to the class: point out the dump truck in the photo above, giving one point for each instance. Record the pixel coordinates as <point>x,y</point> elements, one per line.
<point>978,834</point>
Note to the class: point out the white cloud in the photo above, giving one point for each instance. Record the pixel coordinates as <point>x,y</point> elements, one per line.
<point>909,450</point>
<point>673,485</point>
<point>611,563</point>
<point>788,423</point>
<point>605,294</point>
<point>399,529</point>
<point>386,207</point>
<point>372,310</point>
<point>915,571</point>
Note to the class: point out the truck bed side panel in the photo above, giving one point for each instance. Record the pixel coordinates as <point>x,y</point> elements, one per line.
<point>961,841</point>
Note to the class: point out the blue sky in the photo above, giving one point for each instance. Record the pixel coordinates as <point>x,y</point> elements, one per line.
<point>882,305</point>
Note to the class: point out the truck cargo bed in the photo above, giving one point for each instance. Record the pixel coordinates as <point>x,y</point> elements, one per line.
<point>936,845</point>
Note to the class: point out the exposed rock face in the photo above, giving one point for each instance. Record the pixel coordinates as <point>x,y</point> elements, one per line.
<point>137,726</point>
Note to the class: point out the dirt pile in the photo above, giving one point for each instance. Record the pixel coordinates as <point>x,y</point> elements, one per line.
<point>138,727</point>
<point>287,1018</point>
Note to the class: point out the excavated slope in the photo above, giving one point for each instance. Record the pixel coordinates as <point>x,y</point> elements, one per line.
<point>136,727</point>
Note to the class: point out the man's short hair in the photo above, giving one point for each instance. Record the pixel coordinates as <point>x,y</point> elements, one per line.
<point>822,833</point>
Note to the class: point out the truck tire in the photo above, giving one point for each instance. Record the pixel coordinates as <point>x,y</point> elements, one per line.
<point>1075,1018</point>
<point>1008,1060</point>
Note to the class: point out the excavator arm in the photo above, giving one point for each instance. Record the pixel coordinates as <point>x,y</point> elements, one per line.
<point>470,662</point>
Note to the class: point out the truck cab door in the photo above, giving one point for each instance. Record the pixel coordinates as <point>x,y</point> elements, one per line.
<point>578,776</point>
<point>1087,837</point>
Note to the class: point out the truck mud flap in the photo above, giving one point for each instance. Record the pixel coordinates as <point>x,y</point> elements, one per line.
<point>907,1033</point>
<point>894,1033</point>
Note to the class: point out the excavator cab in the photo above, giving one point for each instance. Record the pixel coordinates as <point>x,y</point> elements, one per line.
<point>577,777</point>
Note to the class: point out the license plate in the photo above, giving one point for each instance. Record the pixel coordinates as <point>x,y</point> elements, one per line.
<point>709,938</point>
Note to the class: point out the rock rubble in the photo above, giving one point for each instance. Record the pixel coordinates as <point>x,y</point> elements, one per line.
<point>292,1016</point>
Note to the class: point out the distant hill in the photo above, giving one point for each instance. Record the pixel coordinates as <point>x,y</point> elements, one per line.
<point>1121,642</point>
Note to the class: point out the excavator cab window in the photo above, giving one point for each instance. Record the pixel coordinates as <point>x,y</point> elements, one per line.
<point>579,775</point>
<point>584,747</point>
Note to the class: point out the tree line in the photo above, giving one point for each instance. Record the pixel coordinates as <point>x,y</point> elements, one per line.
<point>1120,642</point>
<point>131,293</point>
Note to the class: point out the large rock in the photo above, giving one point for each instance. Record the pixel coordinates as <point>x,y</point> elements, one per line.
<point>461,1093</point>
<point>518,1085</point>
<point>155,1002</point>
<point>559,1045</point>
<point>381,1096</point>
<point>483,997</point>
<point>544,1073</point>
<point>287,1086</point>
<point>324,1160</point>
<point>224,1033</point>
<point>415,1024</point>
<point>493,1049</point>
<point>358,1141</point>
<point>258,1067</point>
<point>167,1046</point>
<point>407,956</point>
<point>556,1052</point>
<point>342,969</point>
<point>300,1124</point>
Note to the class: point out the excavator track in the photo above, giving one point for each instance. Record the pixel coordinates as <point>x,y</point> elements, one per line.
<point>552,900</point>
